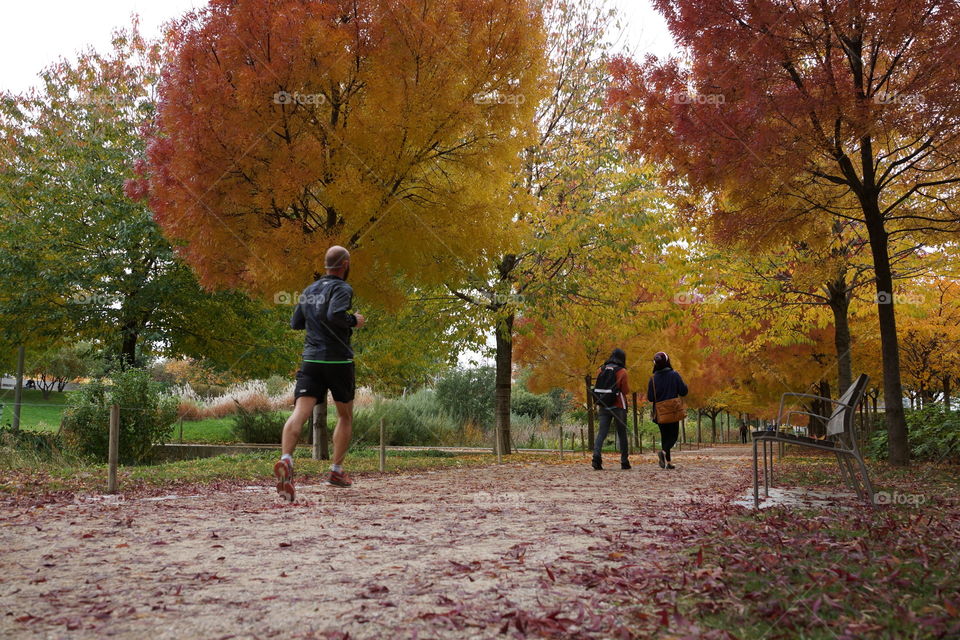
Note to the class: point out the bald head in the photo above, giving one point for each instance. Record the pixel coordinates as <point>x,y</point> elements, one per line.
<point>337,260</point>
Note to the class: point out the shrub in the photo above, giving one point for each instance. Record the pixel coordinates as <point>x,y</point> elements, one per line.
<point>934,434</point>
<point>528,432</point>
<point>38,442</point>
<point>27,449</point>
<point>468,394</point>
<point>279,385</point>
<point>251,395</point>
<point>146,415</point>
<point>532,405</point>
<point>259,426</point>
<point>413,420</point>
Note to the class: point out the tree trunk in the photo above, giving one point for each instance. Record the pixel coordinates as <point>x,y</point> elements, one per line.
<point>18,389</point>
<point>504,362</point>
<point>946,393</point>
<point>899,451</point>
<point>128,350</point>
<point>840,305</point>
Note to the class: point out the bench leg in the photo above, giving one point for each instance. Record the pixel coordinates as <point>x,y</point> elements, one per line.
<point>867,487</point>
<point>756,479</point>
<point>773,450</point>
<point>766,472</point>
<point>856,481</point>
<point>862,480</point>
<point>845,475</point>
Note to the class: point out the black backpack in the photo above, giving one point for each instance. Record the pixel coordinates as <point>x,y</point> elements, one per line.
<point>606,389</point>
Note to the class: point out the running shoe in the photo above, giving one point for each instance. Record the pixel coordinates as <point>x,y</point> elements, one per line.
<point>339,479</point>
<point>283,471</point>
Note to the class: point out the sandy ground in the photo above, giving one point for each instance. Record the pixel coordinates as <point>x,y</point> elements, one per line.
<point>445,554</point>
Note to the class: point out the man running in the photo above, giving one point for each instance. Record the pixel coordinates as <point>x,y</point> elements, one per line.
<point>324,311</point>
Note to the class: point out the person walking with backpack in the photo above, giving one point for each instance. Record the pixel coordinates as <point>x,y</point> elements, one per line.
<point>665,390</point>
<point>324,313</point>
<point>610,393</point>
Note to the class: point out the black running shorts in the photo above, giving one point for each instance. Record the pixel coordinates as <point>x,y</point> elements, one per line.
<point>315,378</point>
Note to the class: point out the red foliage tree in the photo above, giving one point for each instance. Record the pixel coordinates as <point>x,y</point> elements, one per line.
<point>783,111</point>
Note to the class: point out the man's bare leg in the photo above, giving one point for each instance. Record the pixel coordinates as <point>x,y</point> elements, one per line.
<point>283,470</point>
<point>302,410</point>
<point>341,442</point>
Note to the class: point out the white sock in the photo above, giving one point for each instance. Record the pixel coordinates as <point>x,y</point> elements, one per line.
<point>286,456</point>
<point>337,468</point>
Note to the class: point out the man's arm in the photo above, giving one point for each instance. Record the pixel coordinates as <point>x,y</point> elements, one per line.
<point>298,321</point>
<point>337,310</point>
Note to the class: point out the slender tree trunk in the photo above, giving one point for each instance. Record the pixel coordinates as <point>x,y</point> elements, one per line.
<point>504,363</point>
<point>18,389</point>
<point>899,451</point>
<point>840,305</point>
<point>946,393</point>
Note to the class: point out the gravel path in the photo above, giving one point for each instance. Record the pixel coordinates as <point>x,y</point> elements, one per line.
<point>445,554</point>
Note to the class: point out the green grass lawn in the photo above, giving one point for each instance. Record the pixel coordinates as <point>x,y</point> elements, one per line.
<point>36,412</point>
<point>39,414</point>
<point>209,430</point>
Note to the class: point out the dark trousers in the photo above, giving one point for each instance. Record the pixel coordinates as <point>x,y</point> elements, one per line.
<point>606,417</point>
<point>669,432</point>
<point>743,436</point>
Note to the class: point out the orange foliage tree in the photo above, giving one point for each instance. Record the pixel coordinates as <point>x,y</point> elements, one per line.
<point>392,127</point>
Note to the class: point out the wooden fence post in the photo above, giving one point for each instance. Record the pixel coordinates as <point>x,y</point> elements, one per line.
<point>321,446</point>
<point>112,448</point>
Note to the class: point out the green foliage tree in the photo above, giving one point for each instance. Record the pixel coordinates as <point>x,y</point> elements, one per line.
<point>78,257</point>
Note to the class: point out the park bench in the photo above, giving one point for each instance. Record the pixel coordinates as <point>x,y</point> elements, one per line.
<point>840,439</point>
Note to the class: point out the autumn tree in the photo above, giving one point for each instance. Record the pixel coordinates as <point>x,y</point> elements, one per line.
<point>576,203</point>
<point>930,337</point>
<point>783,112</point>
<point>54,367</point>
<point>393,128</point>
<point>78,258</point>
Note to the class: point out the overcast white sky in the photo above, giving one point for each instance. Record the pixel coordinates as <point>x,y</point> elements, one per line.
<point>35,33</point>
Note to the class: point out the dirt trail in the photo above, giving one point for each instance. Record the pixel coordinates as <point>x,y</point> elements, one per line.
<point>445,554</point>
